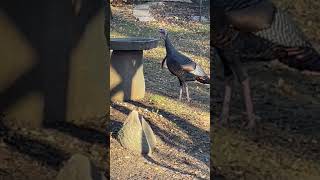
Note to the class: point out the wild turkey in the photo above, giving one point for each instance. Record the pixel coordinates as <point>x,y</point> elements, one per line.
<point>253,30</point>
<point>181,66</point>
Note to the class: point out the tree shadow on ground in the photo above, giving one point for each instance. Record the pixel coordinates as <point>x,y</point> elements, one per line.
<point>86,134</point>
<point>53,36</point>
<point>44,153</point>
<point>171,168</point>
<point>155,80</point>
<point>288,121</point>
<point>175,141</point>
<point>191,148</point>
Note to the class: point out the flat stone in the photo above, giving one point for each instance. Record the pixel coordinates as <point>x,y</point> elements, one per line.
<point>142,12</point>
<point>142,6</point>
<point>146,18</point>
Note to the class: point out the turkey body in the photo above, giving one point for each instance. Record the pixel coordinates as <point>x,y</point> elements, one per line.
<point>255,30</point>
<point>182,66</point>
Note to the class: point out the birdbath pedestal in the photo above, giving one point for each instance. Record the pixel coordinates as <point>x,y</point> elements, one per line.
<point>126,68</point>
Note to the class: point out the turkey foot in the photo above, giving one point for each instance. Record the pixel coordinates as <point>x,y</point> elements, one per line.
<point>312,73</point>
<point>251,123</point>
<point>224,119</point>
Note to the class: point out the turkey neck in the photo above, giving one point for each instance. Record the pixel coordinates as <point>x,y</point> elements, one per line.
<point>169,47</point>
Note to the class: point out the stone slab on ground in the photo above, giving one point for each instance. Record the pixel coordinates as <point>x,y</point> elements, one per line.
<point>79,167</point>
<point>137,135</point>
<point>142,13</point>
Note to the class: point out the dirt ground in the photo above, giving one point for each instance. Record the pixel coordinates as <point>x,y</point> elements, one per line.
<point>182,150</point>
<point>40,153</point>
<point>286,144</point>
<point>181,128</point>
<point>287,140</point>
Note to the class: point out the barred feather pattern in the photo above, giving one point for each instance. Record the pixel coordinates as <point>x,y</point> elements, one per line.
<point>284,32</point>
<point>283,40</point>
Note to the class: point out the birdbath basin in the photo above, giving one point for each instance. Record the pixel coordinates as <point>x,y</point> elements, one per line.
<point>133,43</point>
<point>126,68</point>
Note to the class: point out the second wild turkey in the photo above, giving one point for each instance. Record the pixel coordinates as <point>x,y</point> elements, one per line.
<point>254,30</point>
<point>181,66</point>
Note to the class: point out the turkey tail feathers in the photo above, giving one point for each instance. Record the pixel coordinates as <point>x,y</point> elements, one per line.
<point>203,79</point>
<point>302,59</point>
<point>200,75</point>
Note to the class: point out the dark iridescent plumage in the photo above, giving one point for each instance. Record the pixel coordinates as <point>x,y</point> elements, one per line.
<point>181,66</point>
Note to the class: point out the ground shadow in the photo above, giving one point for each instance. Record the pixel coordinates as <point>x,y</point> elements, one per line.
<point>44,153</point>
<point>171,168</point>
<point>53,29</point>
<point>174,140</point>
<point>133,29</point>
<point>125,84</point>
<point>115,126</point>
<point>53,42</point>
<point>284,116</point>
<point>86,134</point>
<point>37,150</point>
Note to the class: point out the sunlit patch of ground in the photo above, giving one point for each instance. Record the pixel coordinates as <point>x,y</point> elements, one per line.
<point>182,128</point>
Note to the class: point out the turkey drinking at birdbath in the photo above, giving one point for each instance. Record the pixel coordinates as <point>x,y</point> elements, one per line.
<point>254,30</point>
<point>182,66</point>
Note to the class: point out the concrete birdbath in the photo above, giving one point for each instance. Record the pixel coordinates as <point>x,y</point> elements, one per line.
<point>126,68</point>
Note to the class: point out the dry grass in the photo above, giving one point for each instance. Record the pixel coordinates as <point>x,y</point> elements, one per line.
<point>285,145</point>
<point>191,38</point>
<point>182,128</point>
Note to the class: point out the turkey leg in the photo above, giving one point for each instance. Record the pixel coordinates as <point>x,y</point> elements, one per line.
<point>248,103</point>
<point>187,91</point>
<point>239,71</point>
<point>181,89</point>
<point>180,93</point>
<point>224,118</point>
